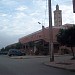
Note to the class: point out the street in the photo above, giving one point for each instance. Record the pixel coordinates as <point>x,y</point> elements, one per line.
<point>29,66</point>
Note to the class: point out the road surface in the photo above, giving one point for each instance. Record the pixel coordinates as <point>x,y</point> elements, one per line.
<point>29,66</point>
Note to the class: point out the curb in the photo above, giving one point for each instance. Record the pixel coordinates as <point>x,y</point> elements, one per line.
<point>20,58</point>
<point>49,65</point>
<point>27,57</point>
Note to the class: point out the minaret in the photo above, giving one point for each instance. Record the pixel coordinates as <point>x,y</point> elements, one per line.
<point>57,16</point>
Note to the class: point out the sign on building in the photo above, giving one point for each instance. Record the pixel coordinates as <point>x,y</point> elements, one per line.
<point>74,6</point>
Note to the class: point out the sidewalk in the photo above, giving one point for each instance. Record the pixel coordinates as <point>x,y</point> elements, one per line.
<point>62,63</point>
<point>27,57</point>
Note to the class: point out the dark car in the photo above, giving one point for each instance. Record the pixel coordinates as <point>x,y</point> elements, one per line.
<point>15,52</point>
<point>3,52</point>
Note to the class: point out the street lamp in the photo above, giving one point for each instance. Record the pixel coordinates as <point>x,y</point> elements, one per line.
<point>40,23</point>
<point>50,33</point>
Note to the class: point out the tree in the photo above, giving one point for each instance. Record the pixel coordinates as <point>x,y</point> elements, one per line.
<point>41,47</point>
<point>7,48</point>
<point>66,37</point>
<point>18,45</point>
<point>31,44</point>
<point>2,49</point>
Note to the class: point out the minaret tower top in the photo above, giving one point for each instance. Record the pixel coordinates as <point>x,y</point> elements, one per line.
<point>57,7</point>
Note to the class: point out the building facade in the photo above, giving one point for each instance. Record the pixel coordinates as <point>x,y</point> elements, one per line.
<point>38,42</point>
<point>40,37</point>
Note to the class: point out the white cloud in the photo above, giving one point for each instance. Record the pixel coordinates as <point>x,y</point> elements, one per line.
<point>24,20</point>
<point>67,13</point>
<point>34,13</point>
<point>21,8</point>
<point>3,14</point>
<point>9,2</point>
<point>19,24</point>
<point>19,15</point>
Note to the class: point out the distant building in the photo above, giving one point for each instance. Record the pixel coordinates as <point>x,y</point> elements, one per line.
<point>66,26</point>
<point>41,37</point>
<point>57,16</point>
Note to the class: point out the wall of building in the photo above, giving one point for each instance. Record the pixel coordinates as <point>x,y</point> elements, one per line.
<point>42,34</point>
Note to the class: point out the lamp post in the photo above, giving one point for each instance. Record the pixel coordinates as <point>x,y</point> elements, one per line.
<point>50,33</point>
<point>42,29</point>
<point>40,23</point>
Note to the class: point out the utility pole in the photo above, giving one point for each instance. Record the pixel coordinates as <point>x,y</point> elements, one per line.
<point>73,6</point>
<point>50,33</point>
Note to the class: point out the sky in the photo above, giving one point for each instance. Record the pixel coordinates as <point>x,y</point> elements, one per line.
<point>19,18</point>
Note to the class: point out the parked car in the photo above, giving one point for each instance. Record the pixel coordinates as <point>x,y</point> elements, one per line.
<point>15,52</point>
<point>3,52</point>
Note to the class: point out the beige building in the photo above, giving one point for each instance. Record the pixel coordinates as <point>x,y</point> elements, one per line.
<point>41,37</point>
<point>57,16</point>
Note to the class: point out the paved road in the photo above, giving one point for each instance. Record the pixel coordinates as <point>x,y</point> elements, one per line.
<point>33,66</point>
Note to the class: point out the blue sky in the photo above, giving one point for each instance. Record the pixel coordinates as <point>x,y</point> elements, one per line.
<point>20,17</point>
